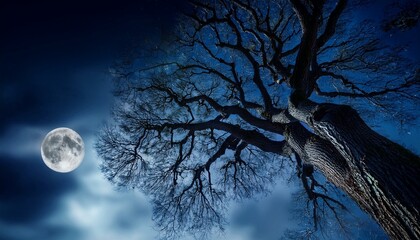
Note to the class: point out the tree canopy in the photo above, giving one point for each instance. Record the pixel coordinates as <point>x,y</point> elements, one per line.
<point>242,88</point>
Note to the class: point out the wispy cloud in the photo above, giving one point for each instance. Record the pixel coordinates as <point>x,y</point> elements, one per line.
<point>99,212</point>
<point>22,141</point>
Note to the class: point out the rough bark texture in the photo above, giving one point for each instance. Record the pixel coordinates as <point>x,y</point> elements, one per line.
<point>380,175</point>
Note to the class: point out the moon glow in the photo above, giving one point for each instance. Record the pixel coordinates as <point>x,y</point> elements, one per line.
<point>63,150</point>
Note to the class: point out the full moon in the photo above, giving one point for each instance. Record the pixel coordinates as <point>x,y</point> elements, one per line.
<point>62,150</point>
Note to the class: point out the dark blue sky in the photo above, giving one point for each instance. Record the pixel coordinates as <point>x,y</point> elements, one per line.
<point>52,53</point>
<point>53,69</point>
<point>54,58</point>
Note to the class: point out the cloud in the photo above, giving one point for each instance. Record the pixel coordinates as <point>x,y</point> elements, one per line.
<point>22,141</point>
<point>38,203</point>
<point>9,231</point>
<point>265,217</point>
<point>98,211</point>
<point>29,191</point>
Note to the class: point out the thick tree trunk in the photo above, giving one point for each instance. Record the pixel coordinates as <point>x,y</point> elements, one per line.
<point>378,174</point>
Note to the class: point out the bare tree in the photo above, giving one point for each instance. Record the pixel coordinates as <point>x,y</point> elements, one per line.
<point>245,85</point>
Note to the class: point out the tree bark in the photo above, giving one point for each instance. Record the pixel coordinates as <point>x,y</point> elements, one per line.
<point>381,176</point>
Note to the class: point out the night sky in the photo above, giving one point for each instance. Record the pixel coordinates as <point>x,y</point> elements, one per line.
<point>54,61</point>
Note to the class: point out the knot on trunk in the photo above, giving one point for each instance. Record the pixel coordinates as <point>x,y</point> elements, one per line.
<point>307,169</point>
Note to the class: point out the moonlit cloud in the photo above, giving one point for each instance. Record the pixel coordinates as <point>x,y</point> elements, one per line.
<point>90,208</point>
<point>29,192</point>
<point>22,141</point>
<point>99,211</point>
<point>266,218</point>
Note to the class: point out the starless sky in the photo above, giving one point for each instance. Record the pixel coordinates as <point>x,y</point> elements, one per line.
<point>54,58</point>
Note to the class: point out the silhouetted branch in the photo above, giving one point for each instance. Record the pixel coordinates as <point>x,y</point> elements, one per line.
<point>209,115</point>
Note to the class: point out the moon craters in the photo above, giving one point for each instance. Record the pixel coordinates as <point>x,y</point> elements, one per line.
<point>50,148</point>
<point>75,147</point>
<point>62,150</point>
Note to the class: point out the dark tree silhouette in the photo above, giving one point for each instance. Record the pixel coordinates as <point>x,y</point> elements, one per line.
<point>212,114</point>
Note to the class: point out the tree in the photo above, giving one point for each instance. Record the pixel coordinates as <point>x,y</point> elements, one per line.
<point>244,85</point>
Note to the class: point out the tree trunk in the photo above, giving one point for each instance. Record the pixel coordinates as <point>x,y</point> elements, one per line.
<point>378,174</point>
